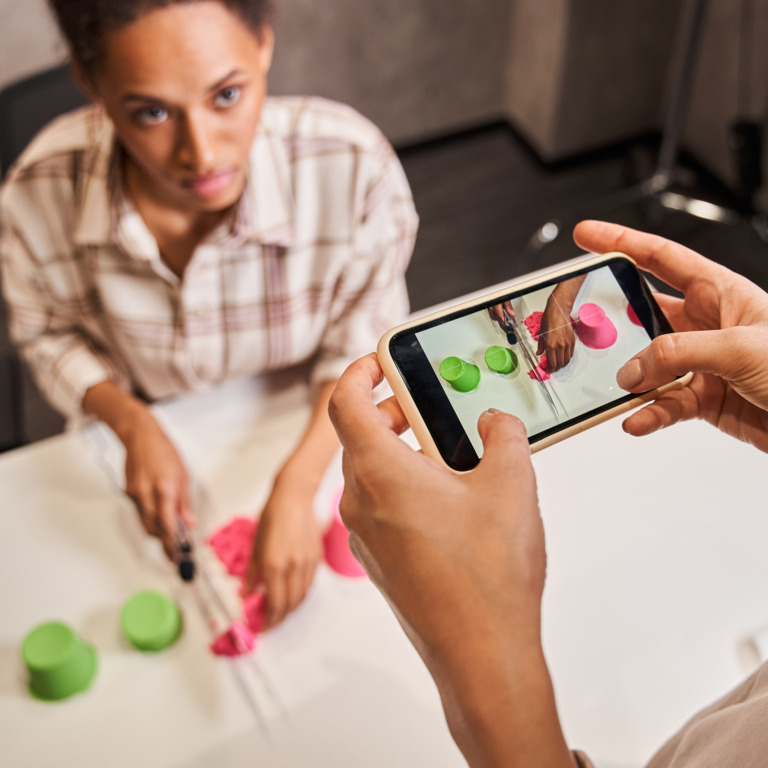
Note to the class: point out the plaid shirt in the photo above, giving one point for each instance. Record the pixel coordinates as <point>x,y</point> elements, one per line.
<point>309,266</point>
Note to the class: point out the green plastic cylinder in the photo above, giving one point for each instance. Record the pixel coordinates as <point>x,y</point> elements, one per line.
<point>151,621</point>
<point>461,375</point>
<point>501,359</point>
<point>58,661</point>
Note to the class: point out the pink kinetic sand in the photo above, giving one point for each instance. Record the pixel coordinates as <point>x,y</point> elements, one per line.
<point>533,324</point>
<point>541,369</point>
<point>254,611</point>
<point>232,545</point>
<point>632,315</point>
<point>594,328</point>
<point>336,544</point>
<point>234,642</point>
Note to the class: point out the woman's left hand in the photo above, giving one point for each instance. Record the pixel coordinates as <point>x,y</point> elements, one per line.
<point>286,550</point>
<point>556,336</point>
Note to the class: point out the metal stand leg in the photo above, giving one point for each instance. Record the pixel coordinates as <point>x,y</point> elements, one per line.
<point>658,186</point>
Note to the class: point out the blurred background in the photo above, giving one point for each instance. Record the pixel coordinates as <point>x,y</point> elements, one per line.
<point>513,120</point>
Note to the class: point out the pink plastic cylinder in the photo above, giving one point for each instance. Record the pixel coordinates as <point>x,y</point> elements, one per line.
<point>595,328</point>
<point>336,544</point>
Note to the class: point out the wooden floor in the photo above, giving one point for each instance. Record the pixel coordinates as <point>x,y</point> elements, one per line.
<point>483,195</point>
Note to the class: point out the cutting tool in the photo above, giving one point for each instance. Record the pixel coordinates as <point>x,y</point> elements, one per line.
<point>219,616</point>
<point>513,326</point>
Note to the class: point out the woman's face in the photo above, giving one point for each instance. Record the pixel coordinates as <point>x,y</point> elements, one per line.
<point>184,86</point>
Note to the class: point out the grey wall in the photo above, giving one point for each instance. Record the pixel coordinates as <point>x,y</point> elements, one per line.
<point>584,74</point>
<point>415,67</point>
<point>571,75</point>
<point>30,39</point>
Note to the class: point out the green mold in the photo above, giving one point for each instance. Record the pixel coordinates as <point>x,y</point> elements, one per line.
<point>461,375</point>
<point>58,661</point>
<point>501,359</point>
<point>151,621</point>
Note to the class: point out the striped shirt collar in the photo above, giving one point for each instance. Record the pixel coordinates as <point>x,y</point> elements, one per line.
<point>264,213</point>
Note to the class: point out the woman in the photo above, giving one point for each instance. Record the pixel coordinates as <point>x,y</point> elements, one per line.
<point>186,229</point>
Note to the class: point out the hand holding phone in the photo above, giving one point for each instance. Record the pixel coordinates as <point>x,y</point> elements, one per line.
<point>545,350</point>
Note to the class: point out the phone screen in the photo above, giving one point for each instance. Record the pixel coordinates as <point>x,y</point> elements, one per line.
<point>548,354</point>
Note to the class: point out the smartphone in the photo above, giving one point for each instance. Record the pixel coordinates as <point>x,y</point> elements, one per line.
<point>546,350</point>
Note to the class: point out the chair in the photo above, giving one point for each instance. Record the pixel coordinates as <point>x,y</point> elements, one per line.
<point>28,104</point>
<point>25,107</point>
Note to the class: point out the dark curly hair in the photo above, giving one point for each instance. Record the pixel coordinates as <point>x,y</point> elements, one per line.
<point>84,22</point>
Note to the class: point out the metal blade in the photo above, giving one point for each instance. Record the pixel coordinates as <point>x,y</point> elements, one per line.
<point>530,358</point>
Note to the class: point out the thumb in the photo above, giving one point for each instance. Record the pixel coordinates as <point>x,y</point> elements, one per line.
<point>505,445</point>
<point>675,354</point>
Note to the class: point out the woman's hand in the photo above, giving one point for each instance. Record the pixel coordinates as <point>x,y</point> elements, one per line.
<point>721,335</point>
<point>497,314</point>
<point>287,547</point>
<point>158,483</point>
<point>155,476</point>
<point>286,550</point>
<point>557,338</point>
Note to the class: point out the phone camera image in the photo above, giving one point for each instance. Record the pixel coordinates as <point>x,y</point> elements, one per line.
<point>548,353</point>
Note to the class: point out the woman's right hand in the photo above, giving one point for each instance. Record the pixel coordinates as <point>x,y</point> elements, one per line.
<point>721,334</point>
<point>157,482</point>
<point>155,476</point>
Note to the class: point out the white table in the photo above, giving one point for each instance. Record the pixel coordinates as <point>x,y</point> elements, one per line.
<point>657,571</point>
<point>352,689</point>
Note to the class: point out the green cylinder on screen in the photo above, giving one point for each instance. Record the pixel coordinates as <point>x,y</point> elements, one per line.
<point>461,375</point>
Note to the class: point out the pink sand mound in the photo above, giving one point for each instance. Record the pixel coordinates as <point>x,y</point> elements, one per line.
<point>632,315</point>
<point>336,544</point>
<point>232,545</point>
<point>541,369</point>
<point>254,611</point>
<point>533,324</point>
<point>236,641</point>
<point>595,328</point>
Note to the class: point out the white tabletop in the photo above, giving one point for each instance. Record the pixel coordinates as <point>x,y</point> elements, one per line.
<point>351,689</point>
<point>657,572</point>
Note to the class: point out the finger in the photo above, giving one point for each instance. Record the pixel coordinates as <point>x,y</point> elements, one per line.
<point>149,520</point>
<point>393,414</point>
<point>145,506</point>
<point>505,445</point>
<point>167,515</point>
<point>253,576</point>
<point>309,577</point>
<point>559,356</point>
<point>669,304</point>
<point>669,409</point>
<point>673,263</point>
<point>674,354</point>
<point>185,506</point>
<point>357,420</point>
<point>275,588</point>
<point>674,310</point>
<point>295,589</point>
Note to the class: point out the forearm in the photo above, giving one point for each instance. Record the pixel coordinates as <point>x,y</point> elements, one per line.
<point>501,708</point>
<point>123,413</point>
<point>318,445</point>
<point>565,293</point>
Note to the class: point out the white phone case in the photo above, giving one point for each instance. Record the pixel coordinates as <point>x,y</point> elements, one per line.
<point>415,419</point>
